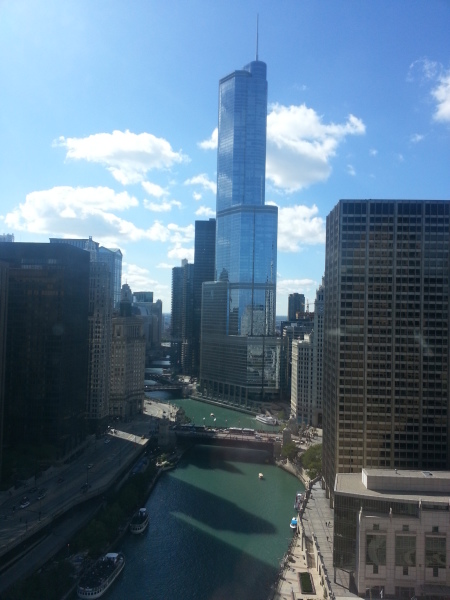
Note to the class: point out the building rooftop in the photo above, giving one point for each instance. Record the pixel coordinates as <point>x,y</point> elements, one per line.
<point>415,486</point>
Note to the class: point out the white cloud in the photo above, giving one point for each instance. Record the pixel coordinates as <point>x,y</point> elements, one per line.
<point>373,152</point>
<point>154,189</point>
<point>197,196</point>
<point>205,211</point>
<point>164,266</point>
<point>299,286</point>
<point>299,226</point>
<point>181,235</point>
<point>300,146</point>
<point>441,93</point>
<point>204,181</point>
<point>351,170</point>
<point>400,157</point>
<point>179,252</point>
<point>164,206</point>
<point>434,73</point>
<point>127,156</point>
<point>75,212</point>
<point>416,137</point>
<point>211,143</point>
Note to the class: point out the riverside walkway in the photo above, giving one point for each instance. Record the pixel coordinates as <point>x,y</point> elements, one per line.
<point>312,551</point>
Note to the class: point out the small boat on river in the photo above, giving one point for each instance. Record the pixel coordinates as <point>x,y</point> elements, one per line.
<point>102,575</point>
<point>294,522</point>
<point>298,500</point>
<point>261,475</point>
<point>267,419</point>
<point>139,522</point>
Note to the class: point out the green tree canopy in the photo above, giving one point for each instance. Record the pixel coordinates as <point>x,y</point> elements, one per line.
<point>312,461</point>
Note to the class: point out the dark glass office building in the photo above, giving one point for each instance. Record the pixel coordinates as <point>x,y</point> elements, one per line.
<point>204,269</point>
<point>46,362</point>
<point>386,346</point>
<point>239,356</point>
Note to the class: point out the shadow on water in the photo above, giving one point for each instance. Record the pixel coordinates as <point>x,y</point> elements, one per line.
<point>176,559</point>
<point>212,536</point>
<point>221,457</point>
<point>222,515</point>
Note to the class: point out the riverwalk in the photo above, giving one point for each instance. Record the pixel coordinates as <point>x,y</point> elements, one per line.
<point>312,551</point>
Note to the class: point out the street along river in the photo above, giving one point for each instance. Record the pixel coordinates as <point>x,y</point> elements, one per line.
<point>217,531</point>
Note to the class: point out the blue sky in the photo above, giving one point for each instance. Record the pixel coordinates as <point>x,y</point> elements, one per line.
<point>108,116</point>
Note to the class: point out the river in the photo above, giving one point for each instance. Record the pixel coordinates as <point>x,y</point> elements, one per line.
<point>217,532</point>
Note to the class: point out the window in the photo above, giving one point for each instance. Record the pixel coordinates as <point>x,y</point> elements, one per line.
<point>375,569</point>
<point>376,527</point>
<point>405,551</point>
<point>435,529</point>
<point>375,549</point>
<point>405,528</point>
<point>405,570</point>
<point>435,552</point>
<point>435,571</point>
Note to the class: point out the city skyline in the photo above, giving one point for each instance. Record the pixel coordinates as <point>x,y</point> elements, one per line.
<point>110,113</point>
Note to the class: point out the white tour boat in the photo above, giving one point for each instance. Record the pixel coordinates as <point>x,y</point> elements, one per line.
<point>102,575</point>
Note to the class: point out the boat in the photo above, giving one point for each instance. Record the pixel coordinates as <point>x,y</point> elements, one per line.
<point>139,522</point>
<point>267,419</point>
<point>102,575</point>
<point>261,476</point>
<point>294,522</point>
<point>298,500</point>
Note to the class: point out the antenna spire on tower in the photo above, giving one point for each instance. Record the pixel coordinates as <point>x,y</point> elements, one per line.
<point>257,16</point>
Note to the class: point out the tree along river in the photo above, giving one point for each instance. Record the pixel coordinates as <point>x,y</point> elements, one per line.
<point>217,531</point>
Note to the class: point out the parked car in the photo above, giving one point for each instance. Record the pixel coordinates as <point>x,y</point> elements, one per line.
<point>25,502</point>
<point>41,494</point>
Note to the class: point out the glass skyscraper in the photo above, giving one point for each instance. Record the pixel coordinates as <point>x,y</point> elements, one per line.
<point>239,353</point>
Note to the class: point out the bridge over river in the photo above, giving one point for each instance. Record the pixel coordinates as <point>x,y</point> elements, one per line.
<point>227,438</point>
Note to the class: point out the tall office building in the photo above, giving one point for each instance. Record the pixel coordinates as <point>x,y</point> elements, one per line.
<point>101,301</point>
<point>127,360</point>
<point>386,336</point>
<point>151,313</point>
<point>111,256</point>
<point>307,367</point>
<point>46,357</point>
<point>296,306</point>
<point>239,351</point>
<point>204,268</point>
<point>182,317</point>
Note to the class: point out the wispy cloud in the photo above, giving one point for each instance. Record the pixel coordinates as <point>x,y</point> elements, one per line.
<point>432,72</point>
<point>416,138</point>
<point>164,206</point>
<point>373,152</point>
<point>351,170</point>
<point>153,189</point>
<point>205,211</point>
<point>127,156</point>
<point>441,93</point>
<point>203,181</point>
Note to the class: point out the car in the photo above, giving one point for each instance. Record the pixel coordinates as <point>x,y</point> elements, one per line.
<point>41,494</point>
<point>25,502</point>
<point>107,440</point>
<point>85,487</point>
<point>32,490</point>
<point>90,465</point>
